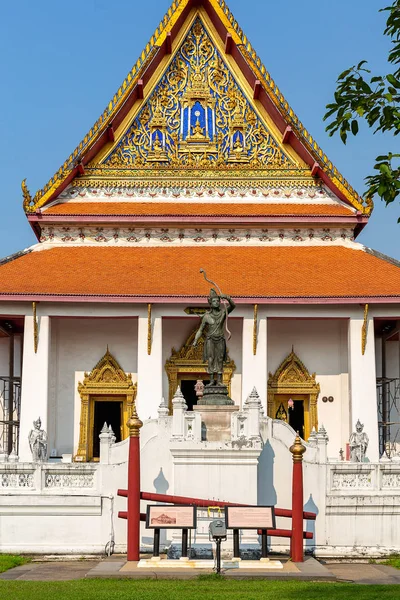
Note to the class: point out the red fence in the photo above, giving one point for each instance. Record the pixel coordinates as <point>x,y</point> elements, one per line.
<point>133,494</point>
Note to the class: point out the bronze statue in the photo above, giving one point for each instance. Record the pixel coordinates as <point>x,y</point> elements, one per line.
<point>215,344</point>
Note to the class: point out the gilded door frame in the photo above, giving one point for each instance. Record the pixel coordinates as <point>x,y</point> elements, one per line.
<point>109,381</point>
<point>188,363</point>
<point>292,378</point>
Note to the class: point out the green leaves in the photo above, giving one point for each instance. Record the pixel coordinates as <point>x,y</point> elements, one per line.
<point>376,100</point>
<point>386,182</point>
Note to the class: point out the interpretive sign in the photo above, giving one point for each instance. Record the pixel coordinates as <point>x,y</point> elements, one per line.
<point>171,517</point>
<point>250,517</point>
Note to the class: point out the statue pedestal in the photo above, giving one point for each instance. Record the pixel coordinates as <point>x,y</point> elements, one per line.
<point>216,421</point>
<point>215,395</point>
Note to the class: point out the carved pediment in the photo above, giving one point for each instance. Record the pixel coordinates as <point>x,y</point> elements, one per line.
<point>198,117</point>
<point>291,371</point>
<point>188,351</point>
<point>107,372</point>
<point>191,353</point>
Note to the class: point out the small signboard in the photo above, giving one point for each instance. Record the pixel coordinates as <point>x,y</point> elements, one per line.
<point>250,517</point>
<point>171,517</point>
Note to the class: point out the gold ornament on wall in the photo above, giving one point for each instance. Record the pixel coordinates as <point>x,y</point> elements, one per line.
<point>35,328</point>
<point>255,326</point>
<point>364,330</point>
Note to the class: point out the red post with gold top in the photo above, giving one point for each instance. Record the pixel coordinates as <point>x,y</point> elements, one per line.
<point>134,424</point>
<point>296,546</point>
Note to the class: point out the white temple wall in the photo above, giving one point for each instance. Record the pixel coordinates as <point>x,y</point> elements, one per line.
<point>76,346</point>
<point>321,344</point>
<point>393,358</point>
<point>5,356</point>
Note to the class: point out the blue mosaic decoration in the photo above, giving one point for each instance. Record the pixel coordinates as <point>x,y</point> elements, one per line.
<point>198,116</point>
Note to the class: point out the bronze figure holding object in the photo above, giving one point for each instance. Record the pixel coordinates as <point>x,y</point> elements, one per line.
<point>215,344</point>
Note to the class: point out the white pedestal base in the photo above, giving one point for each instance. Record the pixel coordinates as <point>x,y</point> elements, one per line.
<point>157,563</point>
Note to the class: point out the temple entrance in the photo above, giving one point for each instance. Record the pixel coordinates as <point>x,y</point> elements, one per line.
<point>292,410</point>
<point>107,395</point>
<point>188,391</point>
<point>108,411</point>
<point>292,396</point>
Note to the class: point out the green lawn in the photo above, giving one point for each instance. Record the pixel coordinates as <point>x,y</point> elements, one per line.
<point>393,561</point>
<point>203,589</point>
<point>9,561</point>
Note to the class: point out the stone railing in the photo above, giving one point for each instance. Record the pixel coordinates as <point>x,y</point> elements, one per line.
<point>350,478</point>
<point>48,478</point>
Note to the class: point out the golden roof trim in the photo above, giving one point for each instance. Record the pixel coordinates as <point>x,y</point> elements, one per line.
<point>157,39</point>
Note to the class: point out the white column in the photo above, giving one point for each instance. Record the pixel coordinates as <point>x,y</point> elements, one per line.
<point>254,366</point>
<point>363,402</point>
<point>34,383</point>
<point>150,368</point>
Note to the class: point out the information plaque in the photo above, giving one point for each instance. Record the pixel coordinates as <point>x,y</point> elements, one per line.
<point>171,517</point>
<point>250,517</point>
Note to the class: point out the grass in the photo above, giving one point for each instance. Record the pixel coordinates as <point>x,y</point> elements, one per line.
<point>393,561</point>
<point>201,589</point>
<point>9,561</point>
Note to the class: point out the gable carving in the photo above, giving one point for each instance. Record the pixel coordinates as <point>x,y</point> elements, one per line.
<point>106,372</point>
<point>198,116</point>
<point>293,372</point>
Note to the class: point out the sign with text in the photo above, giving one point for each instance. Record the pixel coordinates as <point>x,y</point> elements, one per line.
<point>250,517</point>
<point>171,517</point>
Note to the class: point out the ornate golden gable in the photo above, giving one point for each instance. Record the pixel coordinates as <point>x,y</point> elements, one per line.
<point>293,378</point>
<point>70,168</point>
<point>197,116</point>
<point>188,363</point>
<point>107,381</point>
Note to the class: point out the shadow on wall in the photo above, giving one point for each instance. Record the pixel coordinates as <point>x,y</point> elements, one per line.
<point>310,506</point>
<point>161,486</point>
<point>266,493</point>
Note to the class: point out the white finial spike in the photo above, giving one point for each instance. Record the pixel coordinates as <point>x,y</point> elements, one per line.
<point>178,398</point>
<point>163,410</point>
<point>253,397</point>
<point>105,428</point>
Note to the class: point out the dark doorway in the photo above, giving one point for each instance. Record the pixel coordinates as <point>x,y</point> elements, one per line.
<point>109,412</point>
<point>296,417</point>
<point>189,393</point>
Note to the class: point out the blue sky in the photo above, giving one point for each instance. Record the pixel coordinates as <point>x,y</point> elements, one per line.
<point>62,62</point>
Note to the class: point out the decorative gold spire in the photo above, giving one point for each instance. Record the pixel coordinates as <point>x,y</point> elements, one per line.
<point>297,449</point>
<point>26,194</point>
<point>134,424</point>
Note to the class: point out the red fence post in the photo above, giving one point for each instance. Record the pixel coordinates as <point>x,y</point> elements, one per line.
<point>296,546</point>
<point>134,424</point>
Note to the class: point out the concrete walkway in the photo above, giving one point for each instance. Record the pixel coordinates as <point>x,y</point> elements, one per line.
<point>117,567</point>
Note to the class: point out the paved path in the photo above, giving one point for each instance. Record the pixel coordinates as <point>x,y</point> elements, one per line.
<point>117,567</point>
<point>364,573</point>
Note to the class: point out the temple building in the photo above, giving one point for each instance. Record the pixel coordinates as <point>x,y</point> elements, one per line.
<point>198,162</point>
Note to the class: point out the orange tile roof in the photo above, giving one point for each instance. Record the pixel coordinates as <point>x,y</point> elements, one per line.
<point>185,209</point>
<point>267,272</point>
